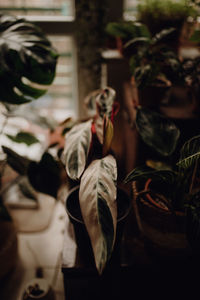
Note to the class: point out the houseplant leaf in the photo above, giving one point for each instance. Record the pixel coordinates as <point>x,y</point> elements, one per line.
<point>160,36</point>
<point>23,137</point>
<point>97,198</point>
<point>26,57</point>
<point>17,162</point>
<point>104,101</point>
<point>44,175</point>
<point>77,145</point>
<point>105,110</point>
<point>146,172</point>
<point>157,131</point>
<point>190,153</point>
<point>127,29</point>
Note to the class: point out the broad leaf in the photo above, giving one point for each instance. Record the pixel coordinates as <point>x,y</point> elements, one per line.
<point>190,153</point>
<point>17,162</point>
<point>97,198</point>
<point>77,145</point>
<point>44,175</point>
<point>157,131</point>
<point>23,137</point>
<point>26,56</point>
<point>90,102</point>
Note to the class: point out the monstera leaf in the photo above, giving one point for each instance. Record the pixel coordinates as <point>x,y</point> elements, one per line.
<point>97,198</point>
<point>157,131</point>
<point>77,145</point>
<point>26,57</point>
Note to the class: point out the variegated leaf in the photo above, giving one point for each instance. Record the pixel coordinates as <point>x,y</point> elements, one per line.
<point>97,198</point>
<point>77,145</point>
<point>90,102</point>
<point>190,153</point>
<point>105,101</point>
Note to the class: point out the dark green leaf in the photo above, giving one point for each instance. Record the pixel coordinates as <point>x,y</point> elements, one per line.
<point>17,162</point>
<point>157,131</point>
<point>45,175</point>
<point>24,137</point>
<point>25,52</point>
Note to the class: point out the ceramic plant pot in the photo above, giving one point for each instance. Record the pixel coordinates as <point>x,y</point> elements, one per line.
<point>81,235</point>
<point>163,230</point>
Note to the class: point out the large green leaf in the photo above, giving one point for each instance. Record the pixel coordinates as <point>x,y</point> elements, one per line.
<point>26,57</point>
<point>190,153</point>
<point>157,131</point>
<point>77,145</point>
<point>97,198</point>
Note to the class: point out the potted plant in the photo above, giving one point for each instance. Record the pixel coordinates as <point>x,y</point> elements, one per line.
<point>89,160</point>
<point>28,61</point>
<point>167,203</point>
<point>159,15</point>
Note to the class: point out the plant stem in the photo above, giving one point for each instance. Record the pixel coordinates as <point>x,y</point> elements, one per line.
<point>193,176</point>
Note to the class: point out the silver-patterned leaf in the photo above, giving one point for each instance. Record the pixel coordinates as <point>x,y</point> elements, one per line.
<point>98,204</point>
<point>77,145</point>
<point>105,100</point>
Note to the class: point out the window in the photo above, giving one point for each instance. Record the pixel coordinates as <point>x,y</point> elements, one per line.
<point>130,9</point>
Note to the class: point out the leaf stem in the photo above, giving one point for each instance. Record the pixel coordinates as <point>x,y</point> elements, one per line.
<point>193,176</point>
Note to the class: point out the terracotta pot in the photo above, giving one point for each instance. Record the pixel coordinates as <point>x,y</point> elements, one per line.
<point>164,230</point>
<point>82,239</point>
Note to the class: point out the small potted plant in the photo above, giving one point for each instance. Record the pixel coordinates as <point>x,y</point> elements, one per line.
<point>158,15</point>
<point>167,202</point>
<point>89,160</point>
<point>27,58</point>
